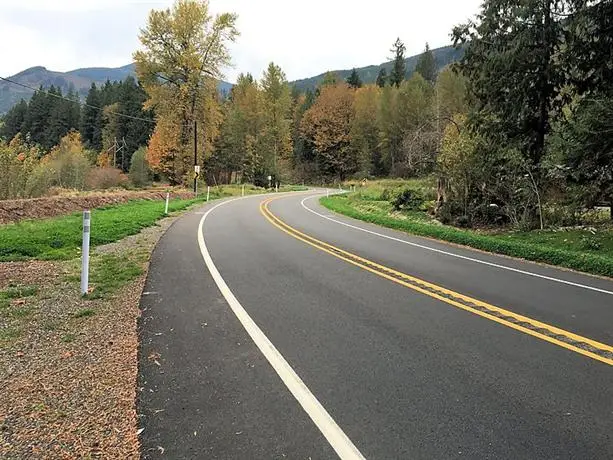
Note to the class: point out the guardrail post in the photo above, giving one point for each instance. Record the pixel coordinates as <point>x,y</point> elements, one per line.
<point>85,252</point>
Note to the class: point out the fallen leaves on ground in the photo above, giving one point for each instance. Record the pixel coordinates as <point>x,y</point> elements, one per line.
<point>69,383</point>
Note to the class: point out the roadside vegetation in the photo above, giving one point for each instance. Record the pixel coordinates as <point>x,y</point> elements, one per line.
<point>59,238</point>
<point>410,206</point>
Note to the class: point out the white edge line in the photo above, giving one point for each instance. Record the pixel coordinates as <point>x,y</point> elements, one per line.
<point>322,419</point>
<point>451,254</point>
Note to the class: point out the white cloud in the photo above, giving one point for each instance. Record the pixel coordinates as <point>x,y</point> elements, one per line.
<point>304,38</point>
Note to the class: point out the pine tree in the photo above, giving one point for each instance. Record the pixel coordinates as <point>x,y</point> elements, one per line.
<point>136,133</point>
<point>37,118</point>
<point>382,77</point>
<point>426,65</point>
<point>14,120</point>
<point>354,80</point>
<point>91,119</point>
<point>399,68</point>
<point>330,78</point>
<point>512,65</point>
<point>62,117</point>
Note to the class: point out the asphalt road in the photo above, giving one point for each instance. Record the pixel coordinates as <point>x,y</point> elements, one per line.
<point>398,347</point>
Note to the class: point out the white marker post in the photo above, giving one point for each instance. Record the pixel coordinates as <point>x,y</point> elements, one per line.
<point>85,252</point>
<point>328,193</point>
<point>167,199</point>
<point>276,187</point>
<point>208,192</point>
<point>243,190</point>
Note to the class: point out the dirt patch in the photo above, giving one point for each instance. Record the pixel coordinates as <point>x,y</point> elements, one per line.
<point>36,208</point>
<point>68,365</point>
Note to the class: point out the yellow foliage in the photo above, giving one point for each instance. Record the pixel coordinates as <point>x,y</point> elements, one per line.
<point>328,125</point>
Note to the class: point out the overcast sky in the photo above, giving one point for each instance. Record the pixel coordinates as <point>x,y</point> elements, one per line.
<point>305,39</point>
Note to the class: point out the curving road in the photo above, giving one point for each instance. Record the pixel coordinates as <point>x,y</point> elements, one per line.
<point>273,328</point>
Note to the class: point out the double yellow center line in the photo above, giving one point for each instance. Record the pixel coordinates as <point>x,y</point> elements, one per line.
<point>565,339</point>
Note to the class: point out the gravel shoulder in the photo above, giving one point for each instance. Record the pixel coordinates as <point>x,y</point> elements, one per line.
<point>68,364</point>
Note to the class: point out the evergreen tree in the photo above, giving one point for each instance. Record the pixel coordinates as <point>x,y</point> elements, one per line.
<point>589,157</point>
<point>14,120</point>
<point>512,64</point>
<point>136,133</point>
<point>382,77</point>
<point>63,117</point>
<point>330,78</point>
<point>91,120</point>
<point>588,52</point>
<point>354,80</point>
<point>37,117</point>
<point>426,65</point>
<point>399,68</point>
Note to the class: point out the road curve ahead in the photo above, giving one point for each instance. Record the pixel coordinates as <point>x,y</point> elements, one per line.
<point>273,328</point>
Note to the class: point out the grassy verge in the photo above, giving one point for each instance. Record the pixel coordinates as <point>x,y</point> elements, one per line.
<point>534,246</point>
<point>59,238</point>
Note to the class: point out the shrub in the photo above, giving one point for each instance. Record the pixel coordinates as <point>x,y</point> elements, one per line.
<point>103,178</point>
<point>462,222</point>
<point>17,162</point>
<point>140,174</point>
<point>407,198</point>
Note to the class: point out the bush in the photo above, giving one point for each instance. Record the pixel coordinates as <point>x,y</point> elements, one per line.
<point>103,178</point>
<point>408,199</point>
<point>462,222</point>
<point>17,162</point>
<point>140,174</point>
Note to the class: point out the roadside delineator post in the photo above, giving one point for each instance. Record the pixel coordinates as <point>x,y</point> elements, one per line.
<point>243,190</point>
<point>85,252</point>
<point>327,193</point>
<point>167,199</point>
<point>208,192</point>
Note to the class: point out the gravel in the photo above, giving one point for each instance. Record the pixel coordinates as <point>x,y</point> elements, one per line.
<point>68,364</point>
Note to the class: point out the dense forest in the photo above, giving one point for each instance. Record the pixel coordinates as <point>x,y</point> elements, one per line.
<point>520,129</point>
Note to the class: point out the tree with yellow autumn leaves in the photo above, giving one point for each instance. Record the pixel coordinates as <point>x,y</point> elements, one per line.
<point>184,49</point>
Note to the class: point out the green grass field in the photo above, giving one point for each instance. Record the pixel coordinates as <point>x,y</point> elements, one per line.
<point>585,250</point>
<point>59,238</point>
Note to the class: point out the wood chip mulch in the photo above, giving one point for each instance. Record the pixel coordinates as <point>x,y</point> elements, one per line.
<point>67,380</point>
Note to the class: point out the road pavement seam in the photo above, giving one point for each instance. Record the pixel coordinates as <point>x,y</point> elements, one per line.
<point>565,339</point>
<point>339,441</point>
<point>451,254</point>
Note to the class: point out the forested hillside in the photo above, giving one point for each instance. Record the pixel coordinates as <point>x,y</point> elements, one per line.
<point>77,81</point>
<point>443,56</point>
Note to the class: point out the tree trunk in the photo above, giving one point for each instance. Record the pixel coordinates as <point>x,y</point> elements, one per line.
<point>545,85</point>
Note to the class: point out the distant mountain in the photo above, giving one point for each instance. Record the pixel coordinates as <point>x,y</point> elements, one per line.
<point>102,74</point>
<point>444,56</point>
<point>79,80</point>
